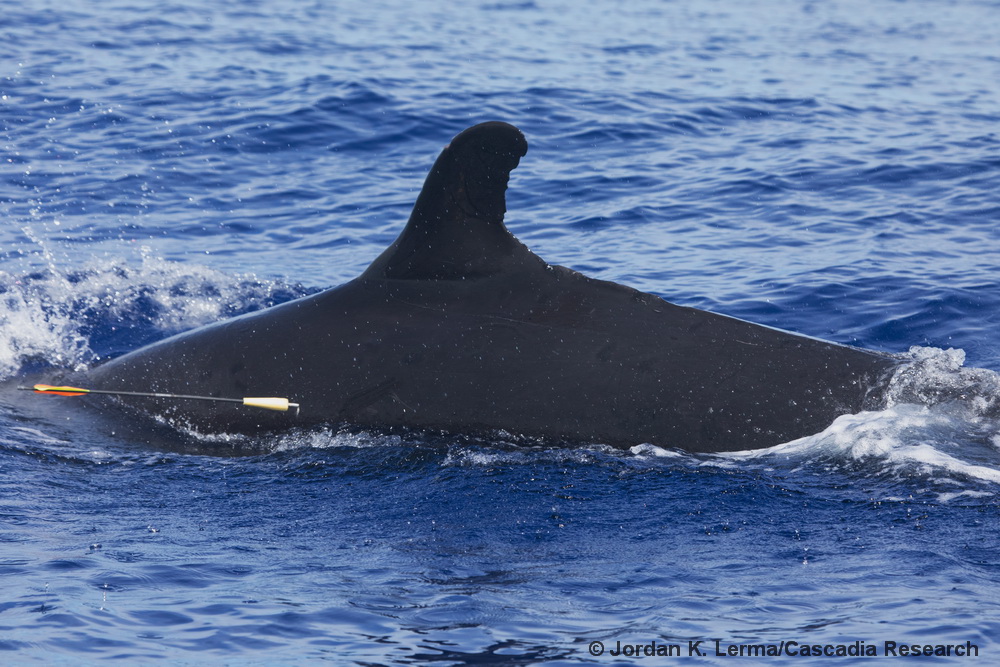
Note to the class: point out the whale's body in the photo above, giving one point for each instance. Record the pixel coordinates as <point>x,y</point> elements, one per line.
<point>459,327</point>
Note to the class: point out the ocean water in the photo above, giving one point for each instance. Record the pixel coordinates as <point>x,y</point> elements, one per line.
<point>830,168</point>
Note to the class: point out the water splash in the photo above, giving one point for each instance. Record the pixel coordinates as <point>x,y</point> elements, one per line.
<point>939,429</point>
<point>939,424</point>
<point>932,376</point>
<point>70,320</point>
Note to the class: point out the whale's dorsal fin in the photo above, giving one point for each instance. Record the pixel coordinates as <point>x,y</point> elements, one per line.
<point>456,229</point>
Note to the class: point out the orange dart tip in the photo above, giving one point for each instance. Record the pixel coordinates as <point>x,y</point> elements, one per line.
<point>59,391</point>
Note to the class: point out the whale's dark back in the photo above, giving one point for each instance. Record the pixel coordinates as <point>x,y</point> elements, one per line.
<point>458,326</point>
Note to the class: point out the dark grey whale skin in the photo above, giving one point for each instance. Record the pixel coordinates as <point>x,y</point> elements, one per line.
<point>458,327</point>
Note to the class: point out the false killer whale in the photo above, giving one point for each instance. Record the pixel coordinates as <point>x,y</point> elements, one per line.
<point>458,327</point>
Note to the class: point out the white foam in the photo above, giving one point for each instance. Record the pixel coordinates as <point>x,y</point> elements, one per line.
<point>43,314</point>
<point>648,450</point>
<point>906,439</point>
<point>464,456</point>
<point>30,328</point>
<point>933,376</point>
<point>328,438</point>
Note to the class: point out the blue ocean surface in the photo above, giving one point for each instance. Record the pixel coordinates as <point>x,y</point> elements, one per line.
<point>829,168</point>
